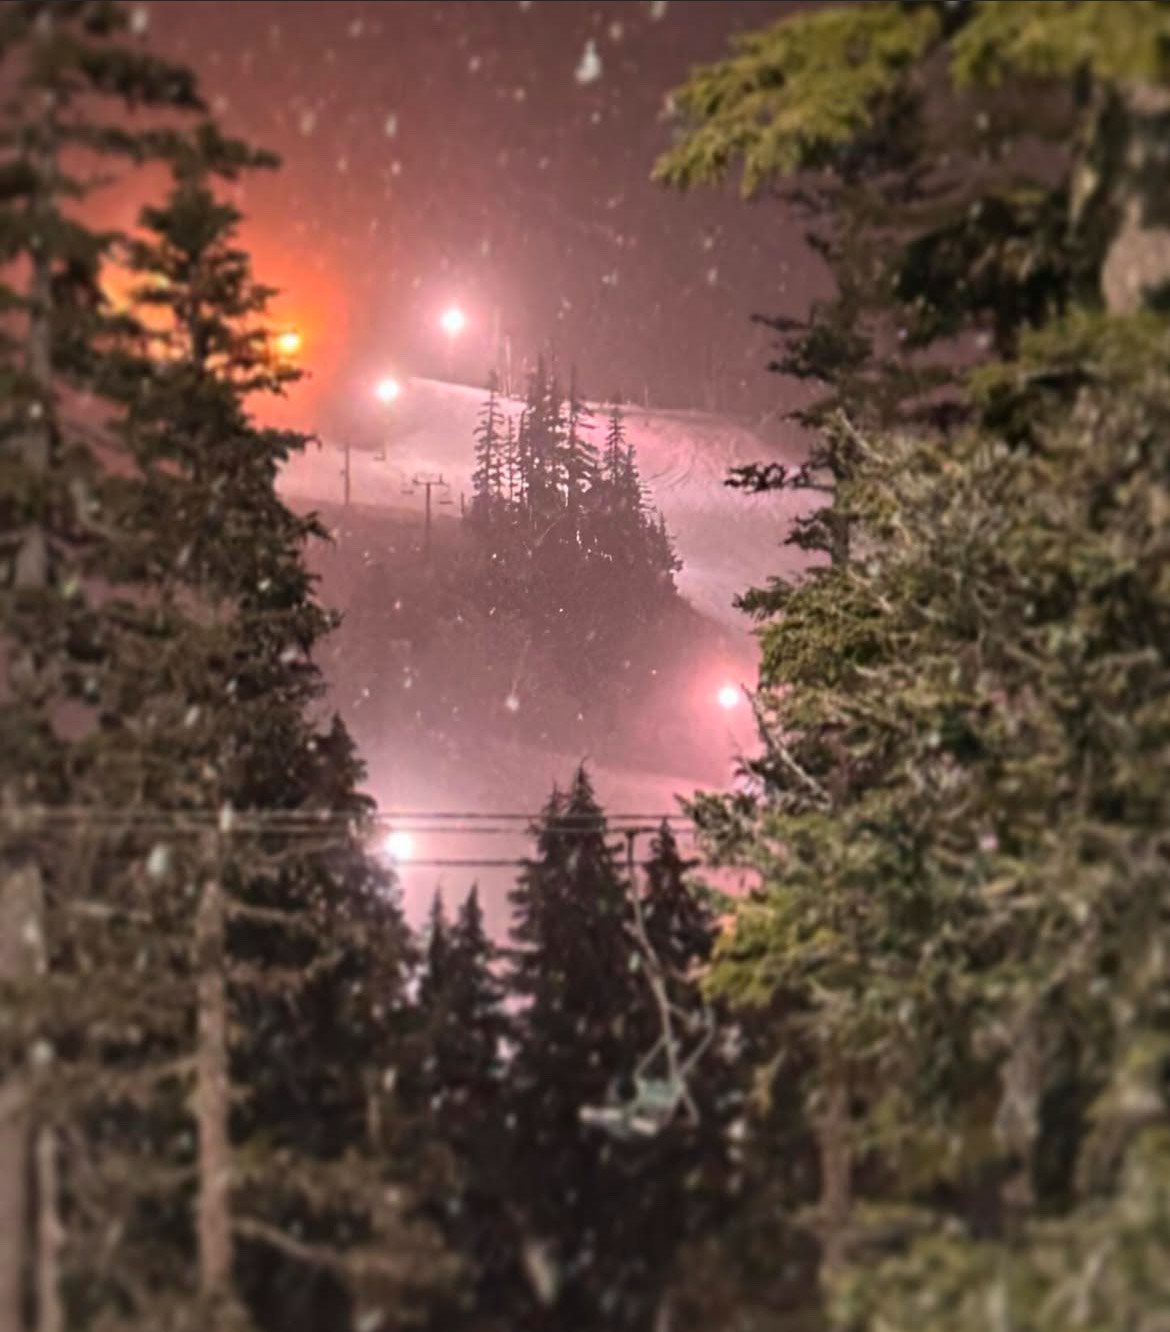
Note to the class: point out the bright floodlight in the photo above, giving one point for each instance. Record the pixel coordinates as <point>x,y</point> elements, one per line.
<point>728,697</point>
<point>387,389</point>
<point>289,342</point>
<point>399,845</point>
<point>453,321</point>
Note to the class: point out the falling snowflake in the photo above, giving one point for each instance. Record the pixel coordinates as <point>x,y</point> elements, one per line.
<point>139,20</point>
<point>474,63</point>
<point>308,121</point>
<point>356,27</point>
<point>589,67</point>
<point>159,861</point>
<point>658,9</point>
<point>616,29</point>
<point>540,1266</point>
<point>512,703</point>
<point>390,125</point>
<point>712,276</point>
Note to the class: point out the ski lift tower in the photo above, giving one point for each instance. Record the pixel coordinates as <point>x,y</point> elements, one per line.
<point>429,481</point>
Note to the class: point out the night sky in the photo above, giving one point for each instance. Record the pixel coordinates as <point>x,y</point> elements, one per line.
<point>496,155</point>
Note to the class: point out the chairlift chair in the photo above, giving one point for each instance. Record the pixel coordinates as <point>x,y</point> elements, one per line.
<point>656,1101</point>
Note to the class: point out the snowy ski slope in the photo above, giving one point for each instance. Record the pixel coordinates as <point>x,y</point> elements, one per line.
<point>728,541</point>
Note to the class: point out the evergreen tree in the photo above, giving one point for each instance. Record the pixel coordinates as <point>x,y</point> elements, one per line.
<point>580,464</point>
<point>615,446</point>
<point>463,1028</point>
<point>241,554</point>
<point>662,557</point>
<point>488,479</point>
<point>70,77</point>
<point>682,1183</point>
<point>435,981</point>
<point>541,450</point>
<point>679,925</point>
<point>476,999</point>
<point>511,467</point>
<point>957,913</point>
<point>228,993</point>
<point>924,200</point>
<point>571,974</point>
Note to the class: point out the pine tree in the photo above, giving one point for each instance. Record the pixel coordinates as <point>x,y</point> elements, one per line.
<point>663,558</point>
<point>477,1004</point>
<point>961,946</point>
<point>580,465</point>
<point>931,217</point>
<point>209,712</point>
<point>679,925</point>
<point>462,1033</point>
<point>511,466</point>
<point>682,1185</point>
<point>571,973</point>
<point>541,450</point>
<point>615,447</point>
<point>435,981</point>
<point>70,78</point>
<point>488,479</point>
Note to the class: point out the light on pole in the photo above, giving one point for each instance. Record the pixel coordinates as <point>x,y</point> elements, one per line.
<point>452,321</point>
<point>399,845</point>
<point>289,343</point>
<point>387,390</point>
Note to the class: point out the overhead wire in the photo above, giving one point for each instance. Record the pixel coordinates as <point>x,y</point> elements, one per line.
<point>307,824</point>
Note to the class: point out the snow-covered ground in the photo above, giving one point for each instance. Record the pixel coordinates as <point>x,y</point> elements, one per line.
<point>728,541</point>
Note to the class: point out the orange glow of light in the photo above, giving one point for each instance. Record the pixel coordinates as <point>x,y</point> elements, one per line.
<point>312,302</point>
<point>289,343</point>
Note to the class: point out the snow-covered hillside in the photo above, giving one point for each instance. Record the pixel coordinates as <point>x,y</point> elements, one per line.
<point>727,540</point>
